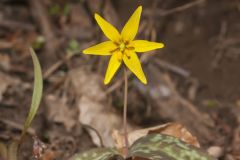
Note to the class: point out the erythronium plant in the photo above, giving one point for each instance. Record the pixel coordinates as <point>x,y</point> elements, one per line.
<point>122,47</point>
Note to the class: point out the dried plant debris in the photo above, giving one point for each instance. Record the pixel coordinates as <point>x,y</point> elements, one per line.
<point>94,110</point>
<point>152,147</point>
<point>173,129</point>
<point>200,123</point>
<point>60,112</point>
<point>5,82</point>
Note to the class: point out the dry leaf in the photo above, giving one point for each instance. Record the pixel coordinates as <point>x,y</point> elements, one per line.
<point>59,112</point>
<point>49,155</point>
<point>5,62</point>
<point>93,106</point>
<point>173,129</point>
<point>5,82</point>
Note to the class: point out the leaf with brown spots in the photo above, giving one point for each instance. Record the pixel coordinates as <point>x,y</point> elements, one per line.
<point>150,147</point>
<point>98,154</point>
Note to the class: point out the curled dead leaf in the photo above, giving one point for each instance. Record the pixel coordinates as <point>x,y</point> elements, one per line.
<point>173,129</point>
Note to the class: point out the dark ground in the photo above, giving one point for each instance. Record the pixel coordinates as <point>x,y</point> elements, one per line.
<point>194,80</point>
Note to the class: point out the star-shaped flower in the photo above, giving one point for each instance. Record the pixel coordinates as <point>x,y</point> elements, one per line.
<point>122,47</point>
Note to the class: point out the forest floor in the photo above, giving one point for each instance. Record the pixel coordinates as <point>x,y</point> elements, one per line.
<point>194,80</point>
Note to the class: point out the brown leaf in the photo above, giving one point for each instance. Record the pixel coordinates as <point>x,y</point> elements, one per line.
<point>49,155</point>
<point>173,129</point>
<point>5,82</point>
<point>93,105</point>
<point>60,112</point>
<point>5,62</point>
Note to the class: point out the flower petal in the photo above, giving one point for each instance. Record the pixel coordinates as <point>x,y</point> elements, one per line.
<point>144,46</point>
<point>113,66</point>
<point>131,27</point>
<point>103,48</point>
<point>110,31</point>
<point>132,62</point>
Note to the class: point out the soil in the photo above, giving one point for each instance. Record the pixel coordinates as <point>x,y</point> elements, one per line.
<point>201,39</point>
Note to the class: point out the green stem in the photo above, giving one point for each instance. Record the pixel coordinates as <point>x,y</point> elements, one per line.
<point>125,111</point>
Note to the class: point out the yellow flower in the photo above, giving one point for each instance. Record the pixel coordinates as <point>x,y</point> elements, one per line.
<point>122,47</point>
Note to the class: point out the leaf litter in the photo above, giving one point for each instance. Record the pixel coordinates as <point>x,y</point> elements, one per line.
<point>94,109</point>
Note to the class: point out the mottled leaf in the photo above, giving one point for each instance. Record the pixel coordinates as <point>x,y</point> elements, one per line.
<point>164,147</point>
<point>99,154</point>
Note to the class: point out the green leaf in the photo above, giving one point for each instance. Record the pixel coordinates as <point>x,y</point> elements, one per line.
<point>36,98</point>
<point>37,92</point>
<point>164,147</point>
<point>98,154</point>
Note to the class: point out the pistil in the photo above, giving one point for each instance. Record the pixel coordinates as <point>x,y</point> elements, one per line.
<point>122,47</point>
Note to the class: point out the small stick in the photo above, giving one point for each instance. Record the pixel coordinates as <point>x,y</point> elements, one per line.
<point>172,68</point>
<point>56,65</point>
<point>15,125</point>
<point>177,9</point>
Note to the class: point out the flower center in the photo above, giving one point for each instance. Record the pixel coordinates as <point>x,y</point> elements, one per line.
<point>122,47</point>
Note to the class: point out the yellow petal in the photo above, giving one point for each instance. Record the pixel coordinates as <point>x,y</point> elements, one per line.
<point>109,30</point>
<point>103,48</point>
<point>113,66</point>
<point>144,46</point>
<point>130,29</point>
<point>133,63</point>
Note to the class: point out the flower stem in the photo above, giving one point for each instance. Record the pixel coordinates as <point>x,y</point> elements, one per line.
<point>125,112</point>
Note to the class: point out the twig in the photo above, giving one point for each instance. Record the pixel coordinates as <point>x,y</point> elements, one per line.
<point>5,44</point>
<point>41,17</point>
<point>10,24</point>
<point>172,68</point>
<point>185,102</point>
<point>177,9</point>
<point>56,65</point>
<point>13,124</point>
<point>220,47</point>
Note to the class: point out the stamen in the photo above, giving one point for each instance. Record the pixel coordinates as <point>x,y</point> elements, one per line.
<point>130,48</point>
<point>127,54</point>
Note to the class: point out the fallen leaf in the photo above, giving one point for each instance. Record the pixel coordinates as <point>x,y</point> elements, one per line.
<point>173,129</point>
<point>60,112</point>
<point>5,82</point>
<point>5,62</point>
<point>94,108</point>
